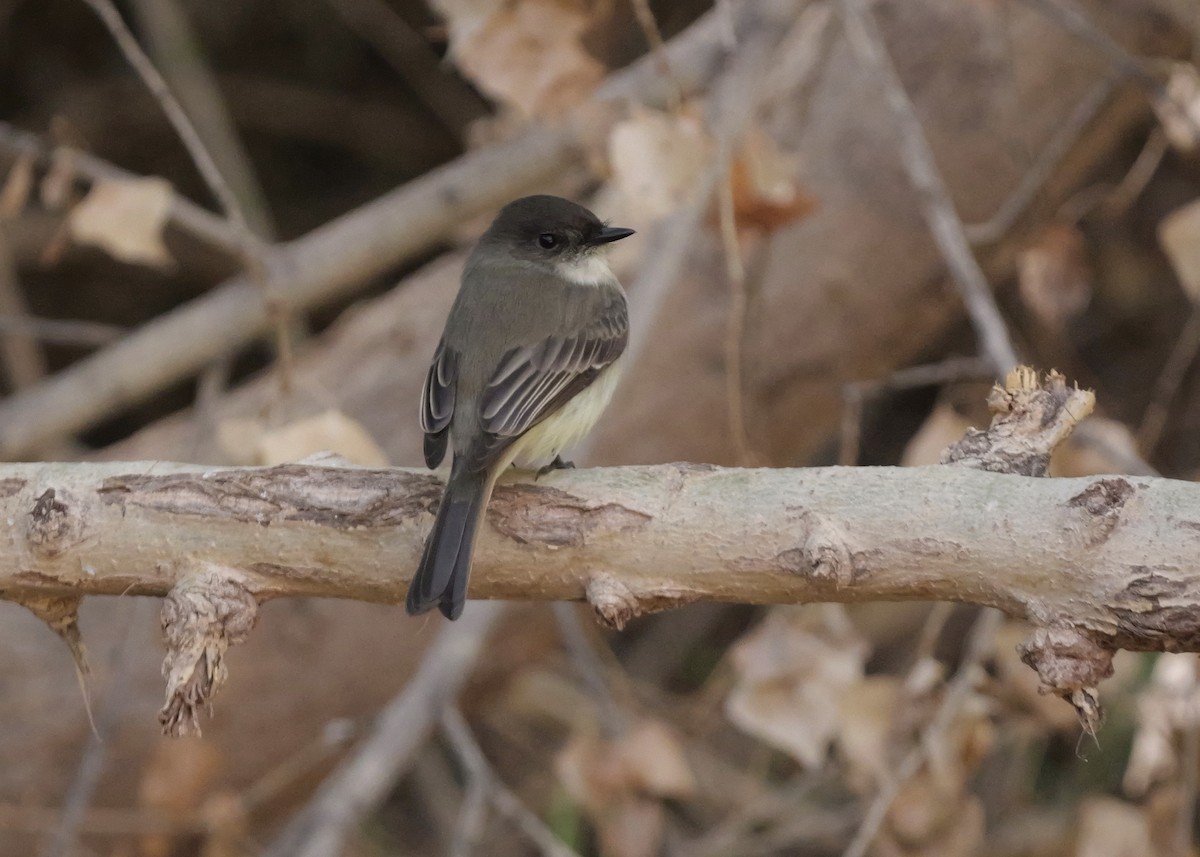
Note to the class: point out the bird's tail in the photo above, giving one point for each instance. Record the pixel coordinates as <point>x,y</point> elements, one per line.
<point>441,578</point>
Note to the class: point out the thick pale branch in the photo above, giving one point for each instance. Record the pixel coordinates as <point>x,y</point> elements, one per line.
<point>1111,557</point>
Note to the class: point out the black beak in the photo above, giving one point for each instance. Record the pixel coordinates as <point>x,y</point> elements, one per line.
<point>609,234</point>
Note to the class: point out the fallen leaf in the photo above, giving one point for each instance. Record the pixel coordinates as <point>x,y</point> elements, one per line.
<point>330,431</point>
<point>528,55</point>
<point>657,158</point>
<point>621,782</point>
<point>865,731</point>
<point>1178,109</point>
<point>1179,236</point>
<point>1112,828</point>
<point>766,193</point>
<point>125,218</point>
<point>1053,276</point>
<point>793,670</point>
<point>1170,705</point>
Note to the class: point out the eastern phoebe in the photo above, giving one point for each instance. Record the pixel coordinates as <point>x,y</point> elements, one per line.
<point>527,362</point>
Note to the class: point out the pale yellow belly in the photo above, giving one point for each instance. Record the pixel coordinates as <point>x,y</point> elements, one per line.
<point>540,444</point>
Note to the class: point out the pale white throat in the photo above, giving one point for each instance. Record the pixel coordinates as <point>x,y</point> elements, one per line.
<point>591,269</point>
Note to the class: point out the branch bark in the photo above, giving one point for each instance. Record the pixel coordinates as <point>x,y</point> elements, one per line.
<point>1112,556</point>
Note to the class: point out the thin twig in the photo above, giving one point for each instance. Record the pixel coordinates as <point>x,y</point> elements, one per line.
<point>648,23</point>
<point>365,778</point>
<point>735,325</point>
<point>1182,356</point>
<point>1043,167</point>
<point>590,668</point>
<point>856,394</point>
<point>254,256</point>
<point>455,104</point>
<point>61,331</point>
<point>501,797</point>
<point>95,754</point>
<point>174,43</point>
<point>936,204</point>
<point>1144,167</point>
<point>982,638</point>
<point>24,361</point>
<point>175,113</point>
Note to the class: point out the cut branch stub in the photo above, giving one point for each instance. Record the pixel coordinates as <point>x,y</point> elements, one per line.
<point>205,613</point>
<point>825,551</point>
<point>61,613</point>
<point>1031,419</point>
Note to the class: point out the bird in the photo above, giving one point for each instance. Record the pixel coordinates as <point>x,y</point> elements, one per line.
<point>528,360</point>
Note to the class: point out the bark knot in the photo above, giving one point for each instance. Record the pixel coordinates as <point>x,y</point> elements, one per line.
<point>205,613</point>
<point>1103,502</point>
<point>824,553</point>
<point>52,527</point>
<point>612,599</point>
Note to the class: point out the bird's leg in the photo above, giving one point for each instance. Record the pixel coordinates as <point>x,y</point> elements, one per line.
<point>556,464</point>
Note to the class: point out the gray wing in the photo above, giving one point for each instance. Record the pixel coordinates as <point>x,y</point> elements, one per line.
<point>437,403</point>
<point>534,381</point>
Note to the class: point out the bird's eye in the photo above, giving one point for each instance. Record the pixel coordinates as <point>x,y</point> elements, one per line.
<point>548,240</point>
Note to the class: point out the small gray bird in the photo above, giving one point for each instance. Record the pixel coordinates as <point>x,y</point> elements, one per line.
<point>526,364</point>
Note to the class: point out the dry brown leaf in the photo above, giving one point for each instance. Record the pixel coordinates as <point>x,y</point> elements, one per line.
<point>621,783</point>
<point>1179,236</point>
<point>1053,275</point>
<point>926,822</point>
<point>766,193</point>
<point>943,427</point>
<point>125,218</point>
<point>528,55</point>
<point>865,736</point>
<point>793,671</point>
<point>657,158</point>
<point>1112,828</point>
<point>329,431</point>
<point>1169,705</point>
<point>1179,109</point>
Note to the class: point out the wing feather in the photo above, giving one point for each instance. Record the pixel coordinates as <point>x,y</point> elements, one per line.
<point>437,403</point>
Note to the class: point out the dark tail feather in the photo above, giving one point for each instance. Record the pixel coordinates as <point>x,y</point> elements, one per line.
<point>441,578</point>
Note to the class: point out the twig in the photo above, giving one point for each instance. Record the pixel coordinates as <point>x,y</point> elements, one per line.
<point>983,636</point>
<point>1139,174</point>
<point>176,47</point>
<point>338,258</point>
<point>1072,19</point>
<point>60,331</point>
<point>1184,837</point>
<point>366,777</point>
<point>1043,167</point>
<point>254,256</point>
<point>454,104</point>
<point>95,754</point>
<point>24,362</point>
<point>501,797</point>
<point>181,213</point>
<point>735,326</point>
<point>175,113</point>
<point>98,821</point>
<point>936,204</point>
<point>646,20</point>
<point>1183,355</point>
<point>468,830</point>
<point>590,668</point>
<point>856,394</point>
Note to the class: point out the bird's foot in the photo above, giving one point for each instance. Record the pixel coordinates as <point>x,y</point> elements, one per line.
<point>556,464</point>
